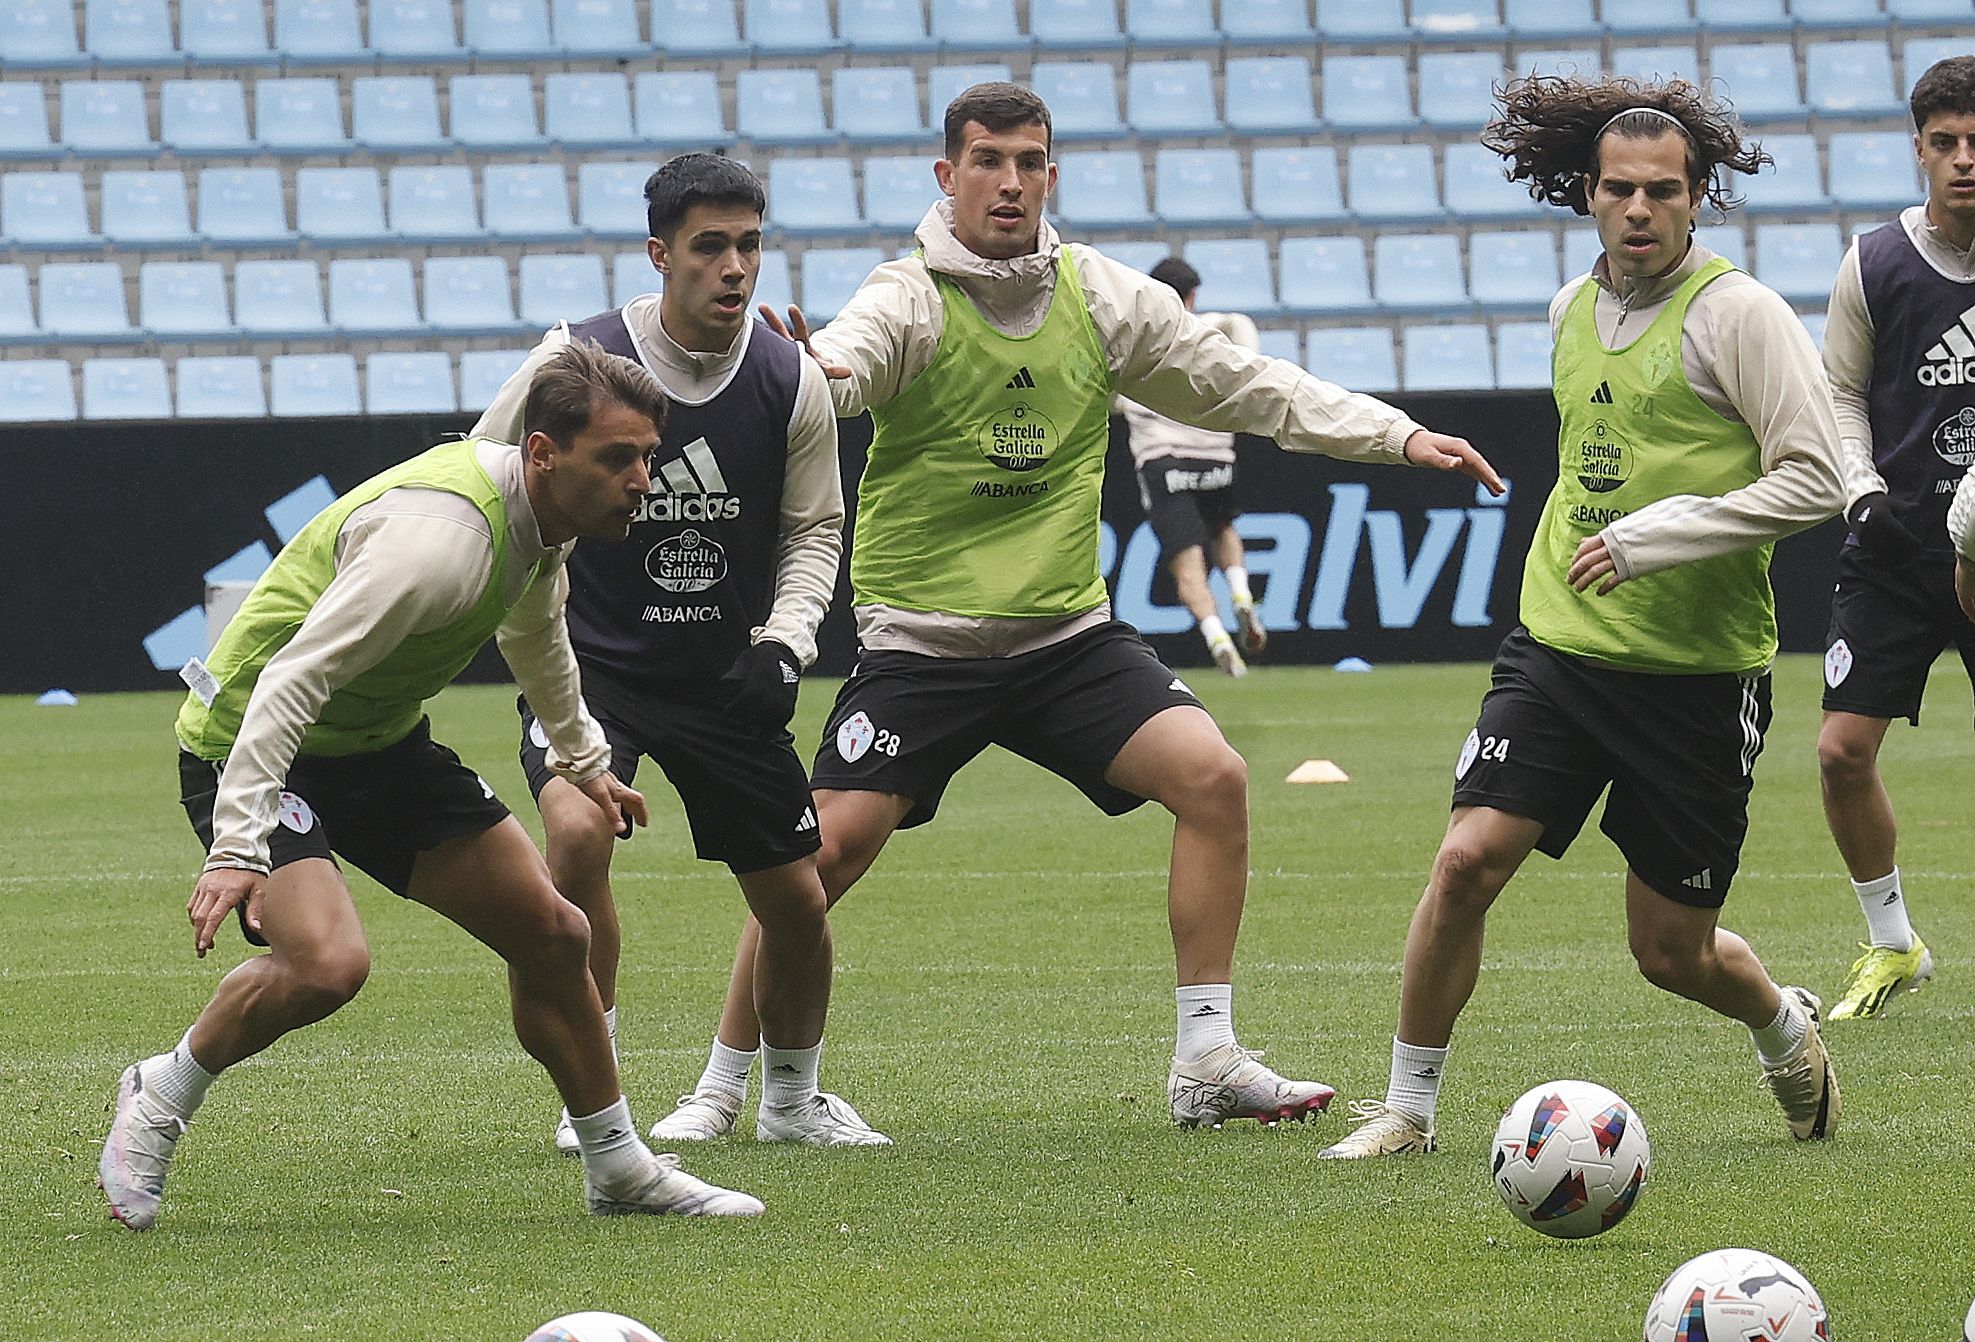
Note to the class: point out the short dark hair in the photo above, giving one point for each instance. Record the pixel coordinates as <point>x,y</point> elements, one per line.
<point>564,392</point>
<point>698,179</point>
<point>1175,271</point>
<point>997,107</point>
<point>1948,86</point>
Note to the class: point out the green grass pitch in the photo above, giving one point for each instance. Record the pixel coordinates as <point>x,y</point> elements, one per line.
<point>1003,1008</point>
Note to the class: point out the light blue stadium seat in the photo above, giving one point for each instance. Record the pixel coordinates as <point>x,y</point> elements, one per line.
<point>1234,275</point>
<point>409,384</point>
<point>414,30</point>
<point>1448,356</point>
<point>557,287</point>
<point>204,117</point>
<point>944,83</point>
<point>37,390</point>
<point>1101,189</point>
<point>106,117</point>
<point>1652,65</point>
<point>506,29</point>
<point>1171,98</point>
<point>433,203</point>
<point>1873,170</point>
<point>1522,355</point>
<point>1642,18</point>
<point>1457,21</point>
<point>1760,78</point>
<point>1918,12</point>
<point>1550,20</point>
<point>1359,357</point>
<point>1139,255</point>
<point>1393,183</point>
<point>1742,16</point>
<point>242,207</point>
<point>340,205</point>
<point>1355,22</point>
<point>1199,187</point>
<point>1266,23</point>
<point>274,299</point>
<point>598,29</point>
<point>1171,23</point>
<point>780,107</point>
<point>884,25</point>
<point>44,210</point>
<point>220,387</point>
<point>373,296</point>
<point>1581,250</point>
<point>1922,53</point>
<point>481,373</point>
<point>898,191</point>
<point>1295,184</point>
<point>315,386</point>
<point>977,25</point>
<point>125,389</point>
<point>24,128</point>
<point>1512,270</point>
<point>589,110</point>
<point>1418,272</point>
<point>1270,94</point>
<point>300,116</point>
<point>788,27</point>
<point>17,324</point>
<point>1325,276</point>
<point>1818,14</point>
<point>39,34</point>
<point>527,202</point>
<point>1457,88</point>
<point>129,32</point>
<point>468,295</point>
<point>774,286</point>
<point>610,199</point>
<point>146,209</point>
<point>1790,185</point>
<point>1849,79</point>
<point>223,32</point>
<point>1725,240</point>
<point>317,32</point>
<point>808,197</point>
<point>493,111</point>
<point>1367,93</point>
<point>84,299</point>
<point>1798,260</point>
<point>877,105</point>
<point>1082,98</point>
<point>696,28</point>
<point>631,274</point>
<point>181,300</point>
<point>831,275</point>
<point>1075,25</point>
<point>1279,344</point>
<point>1581,61</point>
<point>1814,323</point>
<point>396,114</point>
<point>679,108</point>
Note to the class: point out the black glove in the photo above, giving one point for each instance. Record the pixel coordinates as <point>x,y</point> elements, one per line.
<point>768,674</point>
<point>1880,533</point>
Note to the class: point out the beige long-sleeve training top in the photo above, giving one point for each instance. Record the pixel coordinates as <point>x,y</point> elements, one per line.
<point>1153,436</point>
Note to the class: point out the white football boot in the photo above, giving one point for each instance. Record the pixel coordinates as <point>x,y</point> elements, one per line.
<point>143,1136</point>
<point>1381,1131</point>
<point>1248,622</point>
<point>700,1117</point>
<point>1806,1086</point>
<point>1229,1082</point>
<point>823,1120</point>
<point>565,1136</point>
<point>661,1188</point>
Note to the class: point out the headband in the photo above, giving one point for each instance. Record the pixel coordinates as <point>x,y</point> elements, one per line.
<point>1668,117</point>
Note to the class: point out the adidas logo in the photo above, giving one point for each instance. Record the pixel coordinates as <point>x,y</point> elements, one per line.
<point>1951,360</point>
<point>1700,880</point>
<point>1206,1009</point>
<point>789,674</point>
<point>1890,900</point>
<point>1022,379</point>
<point>808,821</point>
<point>783,1068</point>
<point>689,488</point>
<point>1427,1073</point>
<point>1603,395</point>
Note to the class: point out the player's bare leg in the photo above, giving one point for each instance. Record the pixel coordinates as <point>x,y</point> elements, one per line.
<point>1893,959</point>
<point>1189,569</point>
<point>581,844</point>
<point>1232,560</point>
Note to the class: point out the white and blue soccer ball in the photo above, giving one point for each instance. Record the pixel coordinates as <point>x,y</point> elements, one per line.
<point>1570,1159</point>
<point>1968,1326</point>
<point>593,1325</point>
<point>1740,1295</point>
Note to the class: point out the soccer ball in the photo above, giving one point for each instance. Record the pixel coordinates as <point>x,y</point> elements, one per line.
<point>1738,1294</point>
<point>593,1325</point>
<point>1570,1159</point>
<point>1968,1326</point>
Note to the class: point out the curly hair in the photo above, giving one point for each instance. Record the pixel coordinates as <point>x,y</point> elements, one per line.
<point>1550,126</point>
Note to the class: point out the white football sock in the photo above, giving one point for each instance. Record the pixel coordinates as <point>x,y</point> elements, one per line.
<point>176,1078</point>
<point>1206,1019</point>
<point>788,1075</point>
<point>727,1070</point>
<point>1238,585</point>
<point>1884,904</point>
<point>610,1143</point>
<point>1783,1038</point>
<point>1414,1087</point>
<point>1214,632</point>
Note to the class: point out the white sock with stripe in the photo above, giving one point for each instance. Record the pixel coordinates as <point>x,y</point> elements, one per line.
<point>1884,905</point>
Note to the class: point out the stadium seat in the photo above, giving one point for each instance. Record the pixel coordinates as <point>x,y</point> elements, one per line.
<point>105,117</point>
<point>1171,23</point>
<point>319,386</point>
<point>1789,185</point>
<point>830,276</point>
<point>337,205</point>
<point>884,25</point>
<point>1234,275</point>
<point>788,27</point>
<point>1358,357</point>
<point>696,28</point>
<point>1358,22</point>
<point>491,112</point>
<point>679,108</point>
<point>146,209</point>
<point>396,114</point>
<point>125,389</point>
<point>610,199</point>
<point>1082,98</point>
<point>1760,79</point>
<point>1418,272</point>
<point>527,202</point>
<point>127,32</point>
<point>1270,95</point>
<point>433,204</point>
<point>373,296</point>
<point>1297,184</point>
<point>413,30</point>
<point>1281,345</point>
<point>1199,187</point>
<point>1919,54</point>
<point>808,197</point>
<point>182,300</point>
<point>44,211</point>
<point>17,325</point>
<point>1581,251</point>
<point>1367,93</point>
<point>204,117</point>
<point>1075,25</point>
<point>1644,18</point>
<point>223,32</point>
<point>37,390</point>
<point>1798,260</point>
<point>242,207</point>
<point>780,107</point>
<point>589,110</point>
<point>469,294</point>
<point>1478,187</point>
<point>877,105</point>
<point>1816,14</point>
<point>506,29</point>
<point>315,32</point>
<point>481,373</point>
<point>1743,16</point>
<point>409,384</point>
<point>1393,183</point>
<point>977,25</point>
<point>1522,355</point>
<point>598,29</point>
<point>1873,170</point>
<point>1849,79</point>
<point>1457,21</point>
<point>1550,20</point>
<point>1171,98</point>
<point>1725,240</point>
<point>558,288</point>
<point>1814,323</point>
<point>1267,23</point>
<point>39,34</point>
<point>1101,188</point>
<point>1584,61</point>
<point>1325,276</point>
<point>300,116</point>
<point>1930,11</point>
<point>1652,65</point>
<point>1457,88</point>
<point>24,128</point>
<point>220,387</point>
<point>774,286</point>
<point>1450,356</point>
<point>897,192</point>
<point>277,299</point>
<point>944,83</point>
<point>631,274</point>
<point>1512,270</point>
<point>84,299</point>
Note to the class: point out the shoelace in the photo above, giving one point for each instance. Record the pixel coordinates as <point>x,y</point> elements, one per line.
<point>1364,1111</point>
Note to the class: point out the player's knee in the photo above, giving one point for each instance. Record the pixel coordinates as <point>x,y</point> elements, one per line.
<point>1463,876</point>
<point>1216,789</point>
<point>553,935</point>
<point>329,980</point>
<point>796,913</point>
<point>581,838</point>
<point>1668,965</point>
<point>1842,755</point>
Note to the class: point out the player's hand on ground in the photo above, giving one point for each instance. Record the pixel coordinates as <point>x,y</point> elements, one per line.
<point>1880,532</point>
<point>1445,453</point>
<point>624,805</point>
<point>216,895</point>
<point>797,330</point>
<point>769,676</point>
<point>1593,561</point>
